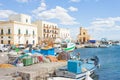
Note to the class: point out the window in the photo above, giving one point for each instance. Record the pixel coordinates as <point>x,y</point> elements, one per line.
<point>44,35</point>
<point>44,30</point>
<point>44,25</point>
<point>33,32</point>
<point>1,31</point>
<point>1,41</point>
<point>47,31</point>
<point>26,32</point>
<point>8,41</point>
<point>19,37</point>
<point>9,37</point>
<point>33,42</point>
<point>19,32</point>
<point>83,33</point>
<point>26,20</point>
<point>8,31</point>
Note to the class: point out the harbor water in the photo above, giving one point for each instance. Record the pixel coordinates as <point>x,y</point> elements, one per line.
<point>109,61</point>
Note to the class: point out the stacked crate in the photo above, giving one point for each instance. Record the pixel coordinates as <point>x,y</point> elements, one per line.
<point>12,58</point>
<point>27,61</point>
<point>35,59</point>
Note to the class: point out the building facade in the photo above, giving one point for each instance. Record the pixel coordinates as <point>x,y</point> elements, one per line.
<point>64,33</point>
<point>21,18</point>
<point>18,30</point>
<point>47,30</point>
<point>83,37</point>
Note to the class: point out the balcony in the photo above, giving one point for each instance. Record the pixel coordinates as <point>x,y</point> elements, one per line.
<point>2,34</point>
<point>6,34</point>
<point>27,35</point>
<point>9,34</point>
<point>19,34</point>
<point>46,27</point>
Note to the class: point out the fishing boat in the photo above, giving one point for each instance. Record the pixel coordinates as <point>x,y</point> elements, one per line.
<point>91,45</point>
<point>77,70</point>
<point>68,46</point>
<point>104,45</point>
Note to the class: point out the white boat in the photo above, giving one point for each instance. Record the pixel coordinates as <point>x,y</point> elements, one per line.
<point>91,46</point>
<point>103,46</point>
<point>68,46</point>
<point>77,70</point>
<point>116,44</point>
<point>3,48</point>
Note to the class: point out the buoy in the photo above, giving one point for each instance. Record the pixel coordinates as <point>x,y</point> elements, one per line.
<point>88,76</point>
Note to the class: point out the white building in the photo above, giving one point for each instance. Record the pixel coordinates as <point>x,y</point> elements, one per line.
<point>64,33</point>
<point>47,30</point>
<point>18,30</point>
<point>21,18</point>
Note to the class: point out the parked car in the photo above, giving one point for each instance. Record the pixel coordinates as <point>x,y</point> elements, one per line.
<point>3,48</point>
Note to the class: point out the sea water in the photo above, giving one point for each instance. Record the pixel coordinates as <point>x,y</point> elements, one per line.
<point>109,61</point>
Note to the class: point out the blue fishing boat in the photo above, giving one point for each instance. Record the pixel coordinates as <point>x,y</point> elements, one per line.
<point>77,69</point>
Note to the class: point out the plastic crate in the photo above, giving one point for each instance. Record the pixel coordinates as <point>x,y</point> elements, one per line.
<point>27,61</point>
<point>74,66</point>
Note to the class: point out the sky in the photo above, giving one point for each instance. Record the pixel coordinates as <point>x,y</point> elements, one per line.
<point>100,17</point>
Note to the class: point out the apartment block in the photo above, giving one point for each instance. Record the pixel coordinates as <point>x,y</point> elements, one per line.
<point>47,30</point>
<point>18,30</point>
<point>64,33</point>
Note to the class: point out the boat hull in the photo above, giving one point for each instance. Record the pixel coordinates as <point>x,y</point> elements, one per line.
<point>71,75</point>
<point>72,72</point>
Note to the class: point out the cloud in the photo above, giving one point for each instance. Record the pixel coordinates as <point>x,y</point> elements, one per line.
<point>73,9</point>
<point>42,7</point>
<point>105,27</point>
<point>75,0</point>
<point>58,13</point>
<point>105,21</point>
<point>23,1</point>
<point>6,13</point>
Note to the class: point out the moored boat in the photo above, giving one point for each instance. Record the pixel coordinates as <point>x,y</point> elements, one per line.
<point>104,46</point>
<point>77,70</point>
<point>68,46</point>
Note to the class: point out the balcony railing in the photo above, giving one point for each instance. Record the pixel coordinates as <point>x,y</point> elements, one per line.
<point>19,34</point>
<point>27,35</point>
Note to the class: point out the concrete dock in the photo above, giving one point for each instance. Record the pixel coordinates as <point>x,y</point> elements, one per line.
<point>33,72</point>
<point>36,71</point>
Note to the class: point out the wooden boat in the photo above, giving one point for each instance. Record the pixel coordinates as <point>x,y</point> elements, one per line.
<point>77,70</point>
<point>68,46</point>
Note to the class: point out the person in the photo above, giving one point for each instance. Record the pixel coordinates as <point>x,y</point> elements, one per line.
<point>30,48</point>
<point>96,60</point>
<point>78,56</point>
